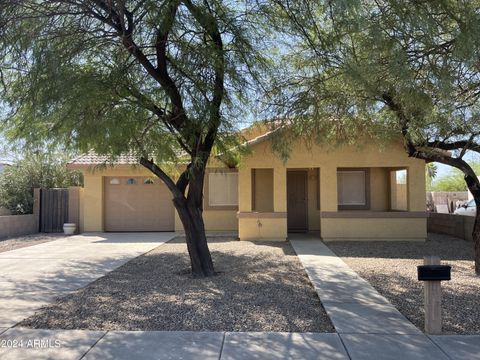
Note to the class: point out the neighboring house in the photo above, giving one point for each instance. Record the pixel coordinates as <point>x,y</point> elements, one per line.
<point>348,192</point>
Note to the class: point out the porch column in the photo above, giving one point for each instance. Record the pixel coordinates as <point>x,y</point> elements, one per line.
<point>93,209</point>
<point>74,198</point>
<point>328,188</point>
<point>280,189</point>
<point>244,189</point>
<point>416,187</point>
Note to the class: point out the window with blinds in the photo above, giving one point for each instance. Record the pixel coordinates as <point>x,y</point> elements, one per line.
<point>352,188</point>
<point>223,189</point>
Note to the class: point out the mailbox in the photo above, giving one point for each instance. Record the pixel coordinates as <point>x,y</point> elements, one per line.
<point>433,272</point>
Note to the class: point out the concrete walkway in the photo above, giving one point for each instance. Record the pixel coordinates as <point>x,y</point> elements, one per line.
<point>368,325</point>
<point>25,344</point>
<point>33,276</point>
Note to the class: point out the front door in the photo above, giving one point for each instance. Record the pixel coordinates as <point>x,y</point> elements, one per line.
<point>297,201</point>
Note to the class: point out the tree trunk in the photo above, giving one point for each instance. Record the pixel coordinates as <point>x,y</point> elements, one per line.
<point>476,239</point>
<point>192,220</point>
<point>190,212</point>
<point>473,185</point>
<point>471,179</point>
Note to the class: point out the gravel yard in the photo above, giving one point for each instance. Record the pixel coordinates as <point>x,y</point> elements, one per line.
<point>391,267</point>
<point>261,286</point>
<point>27,240</point>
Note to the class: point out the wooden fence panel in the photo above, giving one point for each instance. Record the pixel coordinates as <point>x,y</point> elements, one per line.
<point>53,210</point>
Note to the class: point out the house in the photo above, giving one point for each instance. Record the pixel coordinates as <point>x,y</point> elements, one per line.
<point>348,192</point>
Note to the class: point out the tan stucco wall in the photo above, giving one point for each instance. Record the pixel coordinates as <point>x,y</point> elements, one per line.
<point>93,198</point>
<point>379,189</point>
<point>215,220</point>
<point>399,194</point>
<point>313,211</point>
<point>328,160</point>
<point>262,228</point>
<point>91,212</point>
<point>374,229</point>
<point>263,190</point>
<point>75,197</point>
<point>274,227</point>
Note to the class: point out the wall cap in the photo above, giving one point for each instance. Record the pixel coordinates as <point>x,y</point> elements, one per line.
<point>261,215</point>
<point>374,214</point>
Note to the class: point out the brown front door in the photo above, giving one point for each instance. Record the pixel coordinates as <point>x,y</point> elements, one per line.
<point>297,201</point>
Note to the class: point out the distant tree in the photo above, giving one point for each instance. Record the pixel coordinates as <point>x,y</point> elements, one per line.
<point>453,181</point>
<point>34,171</point>
<point>166,80</point>
<point>430,174</point>
<point>398,68</point>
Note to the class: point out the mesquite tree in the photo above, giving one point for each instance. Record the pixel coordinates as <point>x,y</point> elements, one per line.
<point>161,79</point>
<point>407,69</point>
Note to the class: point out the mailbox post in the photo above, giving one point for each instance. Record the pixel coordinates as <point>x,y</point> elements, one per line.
<point>432,273</point>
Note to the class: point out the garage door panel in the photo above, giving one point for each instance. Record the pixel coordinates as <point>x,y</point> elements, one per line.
<point>133,204</point>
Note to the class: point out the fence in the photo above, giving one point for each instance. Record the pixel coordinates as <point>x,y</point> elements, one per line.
<point>453,225</point>
<point>59,206</point>
<point>51,209</point>
<point>17,225</point>
<point>448,200</point>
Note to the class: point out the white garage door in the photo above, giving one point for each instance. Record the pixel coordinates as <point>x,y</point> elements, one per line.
<point>137,204</point>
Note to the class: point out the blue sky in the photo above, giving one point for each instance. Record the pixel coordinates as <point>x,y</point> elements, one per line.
<point>4,154</point>
<point>442,170</point>
<point>445,169</point>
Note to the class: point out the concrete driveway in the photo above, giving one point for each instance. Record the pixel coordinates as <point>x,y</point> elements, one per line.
<point>33,276</point>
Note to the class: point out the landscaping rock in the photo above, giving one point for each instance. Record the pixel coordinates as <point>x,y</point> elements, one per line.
<point>391,267</point>
<point>260,286</point>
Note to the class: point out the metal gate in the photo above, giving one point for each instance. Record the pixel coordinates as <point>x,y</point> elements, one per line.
<point>53,210</point>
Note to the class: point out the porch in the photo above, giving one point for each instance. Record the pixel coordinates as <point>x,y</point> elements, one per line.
<point>338,203</point>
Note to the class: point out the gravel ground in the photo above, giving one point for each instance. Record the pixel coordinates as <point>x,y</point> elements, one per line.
<point>391,267</point>
<point>260,287</point>
<point>27,240</point>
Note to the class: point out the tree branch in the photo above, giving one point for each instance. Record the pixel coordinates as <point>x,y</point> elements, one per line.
<point>162,67</point>
<point>149,164</point>
<point>208,23</point>
<point>184,179</point>
<point>456,145</point>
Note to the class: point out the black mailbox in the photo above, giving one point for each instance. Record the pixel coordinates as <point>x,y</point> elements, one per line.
<point>433,272</point>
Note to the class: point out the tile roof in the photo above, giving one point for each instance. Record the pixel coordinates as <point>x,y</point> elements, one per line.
<point>92,158</point>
